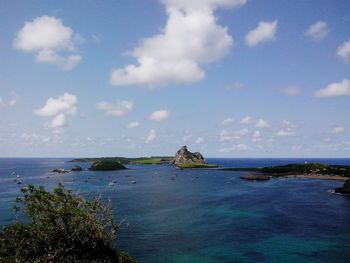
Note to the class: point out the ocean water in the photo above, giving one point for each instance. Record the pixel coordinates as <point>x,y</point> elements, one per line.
<point>205,215</point>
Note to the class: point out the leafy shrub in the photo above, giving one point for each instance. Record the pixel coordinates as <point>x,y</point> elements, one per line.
<point>62,227</point>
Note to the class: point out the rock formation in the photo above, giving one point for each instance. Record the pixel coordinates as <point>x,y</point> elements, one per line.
<point>106,165</point>
<point>345,189</point>
<point>184,156</point>
<point>76,168</point>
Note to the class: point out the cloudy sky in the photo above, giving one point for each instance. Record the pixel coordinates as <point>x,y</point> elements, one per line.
<point>229,78</point>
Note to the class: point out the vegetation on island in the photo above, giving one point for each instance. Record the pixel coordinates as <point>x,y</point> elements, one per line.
<point>306,168</point>
<point>125,160</point>
<point>61,227</point>
<point>197,165</point>
<point>106,165</point>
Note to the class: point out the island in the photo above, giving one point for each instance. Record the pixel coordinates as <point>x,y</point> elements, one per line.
<point>185,159</point>
<point>106,165</point>
<point>305,170</point>
<point>125,160</point>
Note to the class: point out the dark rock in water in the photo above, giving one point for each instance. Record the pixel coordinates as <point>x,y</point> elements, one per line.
<point>60,171</point>
<point>106,165</point>
<point>255,177</point>
<point>345,189</point>
<point>76,168</point>
<point>184,156</point>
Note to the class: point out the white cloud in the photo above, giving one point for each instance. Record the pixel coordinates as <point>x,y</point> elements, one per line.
<point>261,124</point>
<point>63,104</point>
<point>239,147</point>
<point>343,51</point>
<point>117,109</point>
<point>200,140</point>
<point>291,91</point>
<point>227,136</point>
<point>133,125</point>
<point>51,57</point>
<point>335,89</point>
<point>159,115</point>
<point>190,39</point>
<point>2,103</point>
<point>59,121</point>
<point>48,36</point>
<point>317,31</point>
<point>265,31</point>
<point>57,108</point>
<point>242,132</point>
<point>287,129</point>
<point>247,120</point>
<point>151,136</point>
<point>256,136</point>
<point>227,121</point>
<point>338,130</point>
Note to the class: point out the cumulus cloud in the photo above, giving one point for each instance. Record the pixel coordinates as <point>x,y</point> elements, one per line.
<point>291,91</point>
<point>63,104</point>
<point>238,147</point>
<point>261,124</point>
<point>287,129</point>
<point>59,121</point>
<point>228,136</point>
<point>335,89</point>
<point>159,115</point>
<point>247,120</point>
<point>151,136</point>
<point>48,37</point>
<point>343,51</point>
<point>192,37</point>
<point>58,108</point>
<point>317,31</point>
<point>256,136</point>
<point>338,130</point>
<point>227,121</point>
<point>265,31</point>
<point>117,109</point>
<point>133,124</point>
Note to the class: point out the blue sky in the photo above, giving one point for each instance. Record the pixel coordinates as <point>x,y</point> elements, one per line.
<point>229,78</point>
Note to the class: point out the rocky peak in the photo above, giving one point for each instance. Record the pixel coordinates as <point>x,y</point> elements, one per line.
<point>184,156</point>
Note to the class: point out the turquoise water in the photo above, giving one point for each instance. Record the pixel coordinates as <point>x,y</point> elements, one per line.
<point>206,215</point>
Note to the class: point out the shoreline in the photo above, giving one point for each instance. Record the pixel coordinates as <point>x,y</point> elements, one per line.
<point>314,176</point>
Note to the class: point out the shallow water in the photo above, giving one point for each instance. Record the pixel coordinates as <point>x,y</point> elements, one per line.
<point>206,215</point>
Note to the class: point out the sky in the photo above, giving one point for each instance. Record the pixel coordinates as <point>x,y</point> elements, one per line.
<point>228,78</point>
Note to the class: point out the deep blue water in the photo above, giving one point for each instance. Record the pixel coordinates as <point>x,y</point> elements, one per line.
<point>206,215</point>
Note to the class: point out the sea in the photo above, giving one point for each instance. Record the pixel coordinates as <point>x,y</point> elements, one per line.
<point>204,215</point>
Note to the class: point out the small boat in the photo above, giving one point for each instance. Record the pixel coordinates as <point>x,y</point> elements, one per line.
<point>111,184</point>
<point>133,182</point>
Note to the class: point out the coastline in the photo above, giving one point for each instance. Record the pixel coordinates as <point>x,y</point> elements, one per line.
<point>316,176</point>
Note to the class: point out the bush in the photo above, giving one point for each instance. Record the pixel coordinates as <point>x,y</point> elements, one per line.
<point>62,227</point>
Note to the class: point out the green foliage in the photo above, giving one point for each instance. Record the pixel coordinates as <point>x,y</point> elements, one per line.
<point>307,168</point>
<point>106,165</point>
<point>62,227</point>
<point>124,160</point>
<point>197,165</point>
